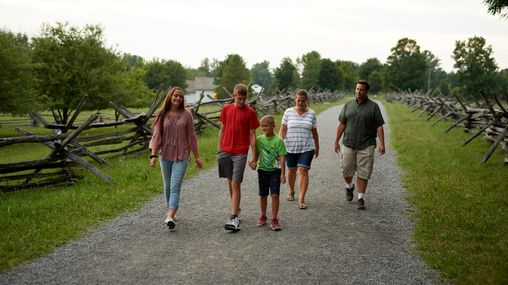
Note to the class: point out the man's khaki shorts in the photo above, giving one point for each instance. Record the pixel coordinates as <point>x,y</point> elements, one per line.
<point>359,161</point>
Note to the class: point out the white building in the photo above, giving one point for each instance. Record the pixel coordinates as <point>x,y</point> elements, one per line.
<point>197,86</point>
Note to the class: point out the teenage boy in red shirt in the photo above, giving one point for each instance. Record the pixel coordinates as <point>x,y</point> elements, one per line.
<point>237,133</point>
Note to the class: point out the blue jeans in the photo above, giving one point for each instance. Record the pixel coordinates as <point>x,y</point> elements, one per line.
<point>173,173</point>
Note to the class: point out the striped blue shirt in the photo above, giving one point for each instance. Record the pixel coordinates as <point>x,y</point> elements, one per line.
<point>299,130</point>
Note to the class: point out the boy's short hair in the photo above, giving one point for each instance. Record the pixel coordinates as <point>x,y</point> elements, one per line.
<point>241,89</point>
<point>269,118</point>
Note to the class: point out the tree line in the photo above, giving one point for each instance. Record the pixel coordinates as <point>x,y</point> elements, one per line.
<point>55,69</point>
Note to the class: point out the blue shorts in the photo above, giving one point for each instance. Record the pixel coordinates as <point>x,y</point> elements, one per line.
<point>269,182</point>
<point>304,159</point>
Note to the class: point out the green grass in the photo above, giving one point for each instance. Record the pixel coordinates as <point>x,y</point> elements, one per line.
<point>34,222</point>
<point>462,205</point>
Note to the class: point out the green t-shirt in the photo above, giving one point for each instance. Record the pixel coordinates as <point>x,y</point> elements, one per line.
<point>269,150</point>
<point>361,122</point>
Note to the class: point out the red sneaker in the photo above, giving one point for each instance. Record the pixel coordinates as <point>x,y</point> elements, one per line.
<point>261,222</point>
<point>275,224</point>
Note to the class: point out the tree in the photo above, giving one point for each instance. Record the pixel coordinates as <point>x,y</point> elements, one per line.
<point>286,75</point>
<point>330,75</point>
<point>165,72</point>
<point>261,74</point>
<point>349,71</point>
<point>406,67</point>
<point>130,61</point>
<point>369,66</point>
<point>503,81</point>
<point>16,75</point>
<point>475,65</point>
<point>72,62</point>
<point>376,82</point>
<point>311,62</point>
<point>230,72</point>
<point>497,7</point>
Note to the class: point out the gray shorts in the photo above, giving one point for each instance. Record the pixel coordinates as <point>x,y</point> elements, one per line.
<point>231,166</point>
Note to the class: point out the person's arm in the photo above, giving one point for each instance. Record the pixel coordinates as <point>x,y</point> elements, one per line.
<point>381,135</point>
<point>283,131</point>
<point>153,156</point>
<point>254,161</point>
<point>221,134</point>
<point>340,130</point>
<point>315,136</point>
<point>192,140</point>
<point>282,161</point>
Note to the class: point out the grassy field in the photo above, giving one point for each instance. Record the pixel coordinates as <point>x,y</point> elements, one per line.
<point>462,205</point>
<point>34,222</point>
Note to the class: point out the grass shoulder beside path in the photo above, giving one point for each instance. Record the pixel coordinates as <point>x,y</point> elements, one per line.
<point>461,221</point>
<point>34,222</point>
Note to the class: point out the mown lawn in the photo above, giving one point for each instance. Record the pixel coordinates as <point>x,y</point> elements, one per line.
<point>462,205</point>
<point>34,222</point>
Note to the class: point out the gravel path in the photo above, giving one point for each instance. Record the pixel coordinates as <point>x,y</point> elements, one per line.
<point>331,242</point>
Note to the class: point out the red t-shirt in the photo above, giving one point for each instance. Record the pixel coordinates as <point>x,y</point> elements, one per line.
<point>237,124</point>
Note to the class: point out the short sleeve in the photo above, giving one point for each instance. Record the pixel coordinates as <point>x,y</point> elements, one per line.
<point>285,118</point>
<point>254,122</point>
<point>282,147</point>
<point>314,120</point>
<point>342,115</point>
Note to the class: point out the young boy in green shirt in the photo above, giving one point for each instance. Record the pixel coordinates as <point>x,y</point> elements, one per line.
<point>270,161</point>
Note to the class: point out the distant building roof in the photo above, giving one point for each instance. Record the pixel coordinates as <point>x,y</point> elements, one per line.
<point>200,83</point>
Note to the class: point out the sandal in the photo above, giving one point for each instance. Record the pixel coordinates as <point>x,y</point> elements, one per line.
<point>302,206</point>
<point>291,196</point>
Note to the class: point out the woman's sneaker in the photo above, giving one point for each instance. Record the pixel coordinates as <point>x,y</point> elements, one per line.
<point>275,224</point>
<point>233,224</point>
<point>170,222</point>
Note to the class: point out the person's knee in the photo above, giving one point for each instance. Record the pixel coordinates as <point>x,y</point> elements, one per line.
<point>302,171</point>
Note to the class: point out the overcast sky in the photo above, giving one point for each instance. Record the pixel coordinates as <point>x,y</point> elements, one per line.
<point>190,30</point>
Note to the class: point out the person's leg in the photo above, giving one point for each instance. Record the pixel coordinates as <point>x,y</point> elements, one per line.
<point>291,180</point>
<point>291,165</point>
<point>364,162</point>
<point>275,192</point>
<point>235,196</point>
<point>275,206</point>
<point>166,171</point>
<point>348,168</point>
<point>239,162</point>
<point>264,188</point>
<point>230,187</point>
<point>177,176</point>
<point>303,183</point>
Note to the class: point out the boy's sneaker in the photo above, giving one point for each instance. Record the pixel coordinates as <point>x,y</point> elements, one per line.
<point>261,222</point>
<point>233,225</point>
<point>170,222</point>
<point>349,193</point>
<point>361,204</point>
<point>275,224</point>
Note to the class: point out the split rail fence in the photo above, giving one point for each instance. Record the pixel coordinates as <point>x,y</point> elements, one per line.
<point>489,117</point>
<point>71,143</point>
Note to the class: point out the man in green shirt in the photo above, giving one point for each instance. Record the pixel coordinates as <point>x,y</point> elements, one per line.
<point>360,121</point>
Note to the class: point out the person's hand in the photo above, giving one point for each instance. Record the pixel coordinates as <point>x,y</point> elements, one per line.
<point>253,164</point>
<point>153,161</point>
<point>283,178</point>
<point>199,163</point>
<point>336,147</point>
<point>381,149</point>
<point>316,152</point>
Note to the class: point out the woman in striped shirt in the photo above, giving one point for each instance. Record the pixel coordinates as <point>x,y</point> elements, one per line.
<point>299,131</point>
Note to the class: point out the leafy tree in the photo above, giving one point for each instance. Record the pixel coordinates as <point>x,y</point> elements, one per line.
<point>165,72</point>
<point>72,62</point>
<point>330,75</point>
<point>406,67</point>
<point>475,65</point>
<point>311,62</point>
<point>350,74</point>
<point>130,61</point>
<point>261,74</point>
<point>497,7</point>
<point>376,82</point>
<point>16,74</point>
<point>286,75</point>
<point>230,72</point>
<point>503,81</point>
<point>369,66</point>
<point>132,91</point>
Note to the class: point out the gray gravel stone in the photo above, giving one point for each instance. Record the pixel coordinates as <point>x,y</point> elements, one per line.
<point>329,243</point>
